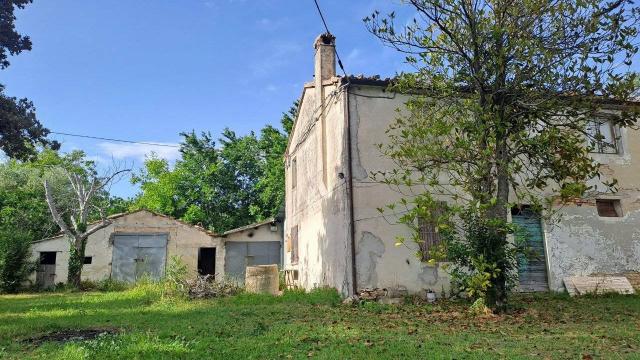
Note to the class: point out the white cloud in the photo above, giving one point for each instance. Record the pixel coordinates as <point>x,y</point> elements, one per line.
<point>139,151</point>
<point>354,55</point>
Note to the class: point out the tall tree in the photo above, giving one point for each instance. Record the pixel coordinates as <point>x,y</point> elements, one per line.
<point>504,92</point>
<point>20,131</point>
<point>74,203</point>
<point>24,217</point>
<point>270,185</point>
<point>238,181</point>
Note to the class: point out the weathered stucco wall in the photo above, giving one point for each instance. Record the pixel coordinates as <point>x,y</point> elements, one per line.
<point>97,247</point>
<point>379,262</point>
<point>318,209</point>
<point>184,241</point>
<point>579,242</point>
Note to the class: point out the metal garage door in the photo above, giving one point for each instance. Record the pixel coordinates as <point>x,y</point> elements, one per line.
<point>239,255</point>
<point>135,255</point>
<point>532,269</point>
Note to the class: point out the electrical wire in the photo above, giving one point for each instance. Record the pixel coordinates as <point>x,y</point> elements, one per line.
<point>116,140</point>
<point>324,22</point>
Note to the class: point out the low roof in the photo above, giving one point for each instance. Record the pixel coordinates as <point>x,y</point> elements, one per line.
<point>250,226</point>
<point>120,215</point>
<point>198,227</point>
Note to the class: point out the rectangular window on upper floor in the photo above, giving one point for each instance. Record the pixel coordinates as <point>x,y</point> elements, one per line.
<point>294,244</point>
<point>603,136</point>
<point>294,173</point>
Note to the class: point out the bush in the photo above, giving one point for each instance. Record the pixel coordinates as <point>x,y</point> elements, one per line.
<point>174,283</point>
<point>482,263</point>
<point>172,286</point>
<point>15,266</point>
<point>88,285</point>
<point>106,285</point>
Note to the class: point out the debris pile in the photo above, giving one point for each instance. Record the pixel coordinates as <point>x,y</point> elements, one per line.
<point>205,286</point>
<point>372,294</point>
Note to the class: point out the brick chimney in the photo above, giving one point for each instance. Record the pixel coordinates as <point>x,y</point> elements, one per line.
<point>325,62</point>
<point>325,69</point>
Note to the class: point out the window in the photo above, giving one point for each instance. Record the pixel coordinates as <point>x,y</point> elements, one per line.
<point>294,173</point>
<point>429,235</point>
<point>294,245</point>
<point>47,258</point>
<point>609,208</point>
<point>602,136</point>
<point>88,260</point>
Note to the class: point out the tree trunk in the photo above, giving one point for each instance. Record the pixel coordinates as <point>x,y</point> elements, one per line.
<point>76,261</point>
<point>498,297</point>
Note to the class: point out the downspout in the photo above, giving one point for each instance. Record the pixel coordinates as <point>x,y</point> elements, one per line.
<point>352,224</point>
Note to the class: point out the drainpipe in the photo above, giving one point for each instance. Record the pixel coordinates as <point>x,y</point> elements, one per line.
<point>352,223</point>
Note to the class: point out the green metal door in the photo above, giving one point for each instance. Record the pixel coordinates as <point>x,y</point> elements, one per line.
<point>532,267</point>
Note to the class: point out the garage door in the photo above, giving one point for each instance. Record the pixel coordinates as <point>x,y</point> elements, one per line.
<point>137,255</point>
<point>239,255</point>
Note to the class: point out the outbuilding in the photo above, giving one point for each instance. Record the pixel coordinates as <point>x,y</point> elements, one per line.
<point>143,243</point>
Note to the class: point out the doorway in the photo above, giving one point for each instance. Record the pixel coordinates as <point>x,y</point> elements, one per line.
<point>46,274</point>
<point>532,267</point>
<point>207,261</point>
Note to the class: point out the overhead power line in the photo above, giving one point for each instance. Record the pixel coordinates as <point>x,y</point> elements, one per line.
<point>116,140</point>
<point>329,32</point>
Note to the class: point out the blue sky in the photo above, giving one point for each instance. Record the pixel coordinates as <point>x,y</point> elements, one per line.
<point>147,70</point>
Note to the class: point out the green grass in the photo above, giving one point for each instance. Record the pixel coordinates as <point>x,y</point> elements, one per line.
<point>315,325</point>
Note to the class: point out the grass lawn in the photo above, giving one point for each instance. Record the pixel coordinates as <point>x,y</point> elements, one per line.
<point>314,325</point>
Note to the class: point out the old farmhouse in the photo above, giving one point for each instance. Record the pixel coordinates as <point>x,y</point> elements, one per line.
<point>334,236</point>
<point>142,243</point>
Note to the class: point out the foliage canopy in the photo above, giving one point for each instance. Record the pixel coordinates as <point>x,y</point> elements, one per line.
<point>234,182</point>
<point>504,93</point>
<point>20,131</point>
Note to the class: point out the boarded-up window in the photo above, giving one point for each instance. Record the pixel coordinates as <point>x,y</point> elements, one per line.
<point>602,136</point>
<point>294,244</point>
<point>294,173</point>
<point>609,208</point>
<point>429,234</point>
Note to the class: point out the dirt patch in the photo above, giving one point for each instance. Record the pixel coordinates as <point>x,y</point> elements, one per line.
<point>63,336</point>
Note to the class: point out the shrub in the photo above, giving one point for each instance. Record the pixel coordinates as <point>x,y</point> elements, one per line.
<point>15,266</point>
<point>174,283</point>
<point>88,285</point>
<point>108,285</point>
<point>480,260</point>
